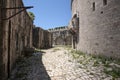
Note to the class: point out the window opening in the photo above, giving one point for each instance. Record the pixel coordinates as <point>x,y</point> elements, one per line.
<point>93,6</point>
<point>104,2</point>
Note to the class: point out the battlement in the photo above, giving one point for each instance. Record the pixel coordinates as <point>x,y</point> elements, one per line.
<point>58,29</point>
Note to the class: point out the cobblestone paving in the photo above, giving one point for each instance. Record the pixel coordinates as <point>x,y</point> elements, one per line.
<point>61,66</point>
<point>56,64</point>
<point>30,68</point>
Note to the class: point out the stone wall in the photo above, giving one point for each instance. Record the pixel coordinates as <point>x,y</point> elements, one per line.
<point>41,38</point>
<point>61,36</point>
<point>17,34</point>
<point>99,26</point>
<point>1,32</point>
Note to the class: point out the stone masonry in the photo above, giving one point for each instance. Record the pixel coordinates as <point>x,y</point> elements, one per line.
<point>61,36</point>
<point>1,32</point>
<point>41,38</point>
<point>15,35</point>
<point>99,26</point>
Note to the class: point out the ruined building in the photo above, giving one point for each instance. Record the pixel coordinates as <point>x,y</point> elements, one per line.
<point>15,34</point>
<point>41,38</point>
<point>61,36</point>
<point>98,23</point>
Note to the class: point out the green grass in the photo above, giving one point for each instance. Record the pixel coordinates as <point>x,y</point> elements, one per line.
<point>96,63</point>
<point>37,50</point>
<point>55,49</point>
<point>68,46</point>
<point>114,72</point>
<point>98,60</point>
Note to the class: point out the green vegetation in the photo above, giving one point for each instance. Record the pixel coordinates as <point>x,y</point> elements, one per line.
<point>32,16</point>
<point>37,50</point>
<point>68,46</point>
<point>110,66</point>
<point>55,49</point>
<point>114,72</point>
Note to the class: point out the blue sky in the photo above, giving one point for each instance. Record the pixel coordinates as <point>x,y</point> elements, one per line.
<point>50,13</point>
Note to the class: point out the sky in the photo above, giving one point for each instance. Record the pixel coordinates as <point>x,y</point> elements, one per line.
<point>50,13</point>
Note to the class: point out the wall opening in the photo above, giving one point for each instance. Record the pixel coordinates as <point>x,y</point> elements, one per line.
<point>104,2</point>
<point>93,6</point>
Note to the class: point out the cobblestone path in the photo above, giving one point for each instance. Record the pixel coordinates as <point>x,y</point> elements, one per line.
<point>60,66</point>
<point>54,64</point>
<point>30,68</point>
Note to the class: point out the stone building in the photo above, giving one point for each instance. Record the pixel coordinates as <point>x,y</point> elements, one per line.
<point>15,34</point>
<point>41,38</point>
<point>61,36</point>
<point>74,31</point>
<point>99,26</point>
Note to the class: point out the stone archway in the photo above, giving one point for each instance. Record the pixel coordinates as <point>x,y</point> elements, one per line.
<point>59,41</point>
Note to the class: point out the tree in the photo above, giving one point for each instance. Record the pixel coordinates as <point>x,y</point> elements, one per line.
<point>31,15</point>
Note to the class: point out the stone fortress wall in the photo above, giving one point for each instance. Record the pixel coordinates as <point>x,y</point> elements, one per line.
<point>41,38</point>
<point>61,36</point>
<point>15,35</point>
<point>99,26</point>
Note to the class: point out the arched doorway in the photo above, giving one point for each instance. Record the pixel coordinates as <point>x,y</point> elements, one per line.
<point>59,41</point>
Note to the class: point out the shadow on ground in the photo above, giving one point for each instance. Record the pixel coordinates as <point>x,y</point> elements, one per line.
<point>30,68</point>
